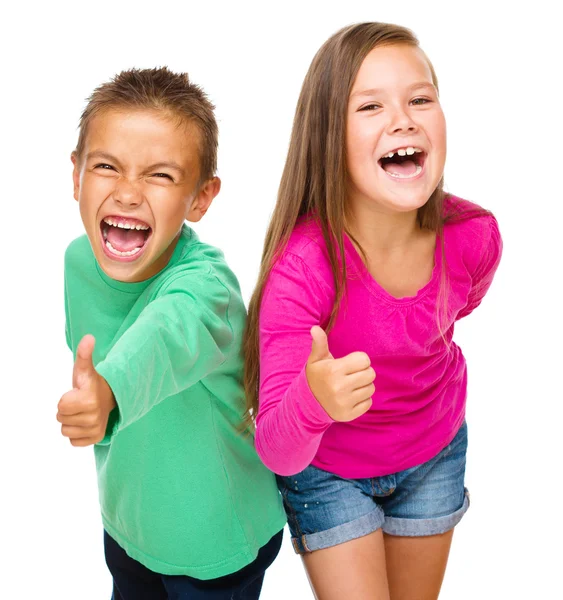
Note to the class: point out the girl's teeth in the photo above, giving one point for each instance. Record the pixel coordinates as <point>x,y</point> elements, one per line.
<point>418,170</point>
<point>118,253</point>
<point>403,152</point>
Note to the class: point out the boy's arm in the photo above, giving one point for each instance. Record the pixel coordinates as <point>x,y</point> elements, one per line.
<point>177,340</point>
<point>67,318</point>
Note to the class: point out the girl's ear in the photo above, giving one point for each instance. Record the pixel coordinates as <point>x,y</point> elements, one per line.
<point>75,175</point>
<point>203,199</point>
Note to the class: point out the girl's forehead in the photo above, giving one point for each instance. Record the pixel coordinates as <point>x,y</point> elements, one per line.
<point>397,65</point>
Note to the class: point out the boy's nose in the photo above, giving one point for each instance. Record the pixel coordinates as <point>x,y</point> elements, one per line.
<point>127,194</point>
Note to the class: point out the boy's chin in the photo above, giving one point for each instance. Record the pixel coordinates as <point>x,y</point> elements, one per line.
<point>126,269</point>
<point>125,272</point>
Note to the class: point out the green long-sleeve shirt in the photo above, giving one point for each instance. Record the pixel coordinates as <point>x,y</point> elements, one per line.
<point>181,489</point>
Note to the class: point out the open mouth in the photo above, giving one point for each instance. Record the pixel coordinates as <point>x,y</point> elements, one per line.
<point>124,238</point>
<point>403,163</point>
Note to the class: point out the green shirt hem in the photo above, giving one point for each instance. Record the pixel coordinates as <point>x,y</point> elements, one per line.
<point>229,565</point>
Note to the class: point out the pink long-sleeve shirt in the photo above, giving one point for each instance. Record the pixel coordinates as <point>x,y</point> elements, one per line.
<point>419,402</point>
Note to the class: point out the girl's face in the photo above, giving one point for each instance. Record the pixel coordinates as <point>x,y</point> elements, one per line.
<point>396,132</point>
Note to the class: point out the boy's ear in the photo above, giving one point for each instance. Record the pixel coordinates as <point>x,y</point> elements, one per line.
<point>203,199</point>
<point>75,175</point>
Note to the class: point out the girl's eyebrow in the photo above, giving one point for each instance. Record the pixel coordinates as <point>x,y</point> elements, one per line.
<point>375,91</point>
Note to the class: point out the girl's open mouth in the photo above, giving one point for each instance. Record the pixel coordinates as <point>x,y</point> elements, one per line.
<point>124,239</point>
<point>403,163</point>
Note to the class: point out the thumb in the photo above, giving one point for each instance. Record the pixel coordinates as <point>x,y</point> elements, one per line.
<point>319,348</point>
<point>83,365</point>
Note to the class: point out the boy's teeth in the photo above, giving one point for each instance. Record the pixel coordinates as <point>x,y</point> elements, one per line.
<point>402,152</point>
<point>118,253</point>
<point>125,225</point>
<point>418,170</point>
<point>410,150</point>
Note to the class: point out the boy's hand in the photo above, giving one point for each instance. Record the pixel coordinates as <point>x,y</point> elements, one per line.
<point>343,386</point>
<point>84,411</point>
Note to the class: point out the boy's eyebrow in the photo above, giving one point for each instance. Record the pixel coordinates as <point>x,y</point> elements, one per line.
<point>375,91</point>
<point>169,165</point>
<point>100,154</point>
<point>111,158</point>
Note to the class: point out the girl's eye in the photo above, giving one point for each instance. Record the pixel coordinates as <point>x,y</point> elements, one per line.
<point>370,107</point>
<point>420,101</point>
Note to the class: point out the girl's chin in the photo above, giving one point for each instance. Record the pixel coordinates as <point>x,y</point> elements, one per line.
<point>403,202</point>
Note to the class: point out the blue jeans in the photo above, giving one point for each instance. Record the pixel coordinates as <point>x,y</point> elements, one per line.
<point>133,581</point>
<point>324,509</point>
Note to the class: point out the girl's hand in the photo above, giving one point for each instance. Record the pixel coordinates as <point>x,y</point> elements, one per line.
<point>343,386</point>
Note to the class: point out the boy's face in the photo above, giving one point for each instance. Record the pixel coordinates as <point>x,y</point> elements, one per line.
<point>136,183</point>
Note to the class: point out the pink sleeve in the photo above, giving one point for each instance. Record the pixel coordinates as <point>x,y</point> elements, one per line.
<point>485,271</point>
<point>290,422</point>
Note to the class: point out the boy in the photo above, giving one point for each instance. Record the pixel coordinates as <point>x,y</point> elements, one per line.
<point>187,507</point>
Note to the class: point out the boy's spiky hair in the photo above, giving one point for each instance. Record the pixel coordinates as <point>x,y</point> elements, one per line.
<point>158,89</point>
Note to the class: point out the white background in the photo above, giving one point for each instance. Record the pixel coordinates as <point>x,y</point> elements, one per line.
<point>498,66</point>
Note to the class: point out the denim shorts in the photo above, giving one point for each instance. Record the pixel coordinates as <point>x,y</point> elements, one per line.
<point>324,509</point>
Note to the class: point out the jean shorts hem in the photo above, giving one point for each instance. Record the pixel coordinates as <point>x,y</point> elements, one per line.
<point>423,527</point>
<point>339,534</point>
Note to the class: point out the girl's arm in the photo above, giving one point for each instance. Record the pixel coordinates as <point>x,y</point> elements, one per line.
<point>290,421</point>
<point>483,276</point>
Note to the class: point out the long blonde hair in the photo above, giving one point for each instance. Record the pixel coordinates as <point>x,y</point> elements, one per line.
<point>314,178</point>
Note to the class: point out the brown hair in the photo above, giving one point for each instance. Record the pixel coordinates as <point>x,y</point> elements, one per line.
<point>158,89</point>
<point>315,176</point>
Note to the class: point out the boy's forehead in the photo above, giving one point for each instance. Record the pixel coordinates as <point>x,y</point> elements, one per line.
<point>145,131</point>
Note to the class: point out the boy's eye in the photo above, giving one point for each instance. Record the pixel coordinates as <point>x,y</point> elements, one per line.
<point>162,176</point>
<point>104,166</point>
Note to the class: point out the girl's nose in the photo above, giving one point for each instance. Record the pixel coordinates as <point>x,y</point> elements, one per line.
<point>401,122</point>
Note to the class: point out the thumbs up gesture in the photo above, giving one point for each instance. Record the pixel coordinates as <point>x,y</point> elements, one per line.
<point>84,411</point>
<point>342,386</point>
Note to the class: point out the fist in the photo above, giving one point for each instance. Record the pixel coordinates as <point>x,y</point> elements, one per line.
<point>343,386</point>
<point>84,411</point>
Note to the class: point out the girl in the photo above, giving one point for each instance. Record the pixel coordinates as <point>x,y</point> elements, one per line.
<point>367,265</point>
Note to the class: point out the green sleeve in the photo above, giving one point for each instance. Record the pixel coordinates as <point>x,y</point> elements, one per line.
<point>67,324</point>
<point>178,339</point>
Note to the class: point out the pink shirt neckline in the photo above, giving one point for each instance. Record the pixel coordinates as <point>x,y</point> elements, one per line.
<point>376,289</point>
